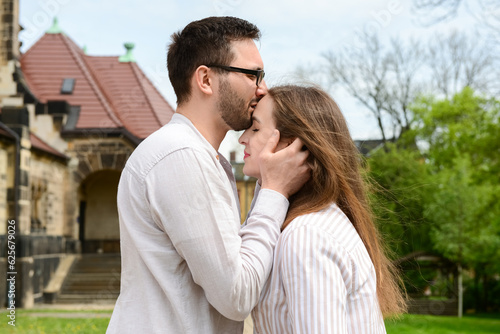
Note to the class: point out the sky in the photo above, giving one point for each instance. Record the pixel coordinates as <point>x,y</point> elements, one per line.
<point>294,33</point>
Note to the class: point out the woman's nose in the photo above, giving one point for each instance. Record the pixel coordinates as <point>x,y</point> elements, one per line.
<point>242,140</point>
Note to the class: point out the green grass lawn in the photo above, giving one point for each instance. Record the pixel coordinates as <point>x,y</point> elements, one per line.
<point>28,323</point>
<point>420,324</point>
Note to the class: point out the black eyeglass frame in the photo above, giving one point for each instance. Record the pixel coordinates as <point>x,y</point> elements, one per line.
<point>259,74</point>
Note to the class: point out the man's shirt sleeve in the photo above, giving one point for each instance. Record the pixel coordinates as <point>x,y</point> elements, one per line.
<point>191,201</point>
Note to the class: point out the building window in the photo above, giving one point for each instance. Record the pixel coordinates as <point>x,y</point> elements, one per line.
<point>67,86</point>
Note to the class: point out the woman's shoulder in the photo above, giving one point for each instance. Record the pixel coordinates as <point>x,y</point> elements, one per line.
<point>330,223</point>
<point>326,235</point>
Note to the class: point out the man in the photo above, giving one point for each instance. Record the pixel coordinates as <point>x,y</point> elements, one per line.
<point>187,267</point>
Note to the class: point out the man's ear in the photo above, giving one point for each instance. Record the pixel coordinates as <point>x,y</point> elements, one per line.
<point>203,79</point>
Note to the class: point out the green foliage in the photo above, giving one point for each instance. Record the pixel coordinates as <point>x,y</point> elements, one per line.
<point>441,183</point>
<point>398,201</point>
<point>465,229</point>
<point>417,278</point>
<point>465,126</point>
<point>463,157</point>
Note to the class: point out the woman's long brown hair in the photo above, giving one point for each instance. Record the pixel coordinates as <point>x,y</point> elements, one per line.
<point>312,115</point>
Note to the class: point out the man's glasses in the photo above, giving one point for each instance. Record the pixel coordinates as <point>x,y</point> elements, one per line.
<point>259,74</point>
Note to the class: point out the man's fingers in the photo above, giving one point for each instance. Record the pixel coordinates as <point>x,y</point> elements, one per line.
<point>297,148</point>
<point>284,171</point>
<point>296,145</point>
<point>272,142</point>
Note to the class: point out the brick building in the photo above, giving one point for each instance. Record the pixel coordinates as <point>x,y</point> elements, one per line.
<point>68,123</point>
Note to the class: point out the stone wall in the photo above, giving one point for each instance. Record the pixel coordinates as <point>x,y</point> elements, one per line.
<point>6,180</point>
<point>9,30</point>
<point>48,178</point>
<point>98,162</point>
<point>98,153</point>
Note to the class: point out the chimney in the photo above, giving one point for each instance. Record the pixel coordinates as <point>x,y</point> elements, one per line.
<point>128,57</point>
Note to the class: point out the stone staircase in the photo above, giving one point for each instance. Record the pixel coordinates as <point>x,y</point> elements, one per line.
<point>94,278</point>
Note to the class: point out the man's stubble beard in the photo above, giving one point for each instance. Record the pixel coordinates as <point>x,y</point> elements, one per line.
<point>232,108</point>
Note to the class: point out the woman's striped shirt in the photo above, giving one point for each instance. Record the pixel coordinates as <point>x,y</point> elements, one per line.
<point>322,281</point>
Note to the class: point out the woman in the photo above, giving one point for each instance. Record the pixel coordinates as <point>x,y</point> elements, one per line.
<point>330,274</point>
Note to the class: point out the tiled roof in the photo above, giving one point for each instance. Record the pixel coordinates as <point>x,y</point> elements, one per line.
<point>111,95</point>
<point>39,144</point>
<point>368,146</point>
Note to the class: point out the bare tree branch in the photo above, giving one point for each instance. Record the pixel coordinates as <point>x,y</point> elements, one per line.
<point>430,12</point>
<point>362,70</point>
<point>386,79</point>
<point>406,62</point>
<point>485,12</point>
<point>456,61</point>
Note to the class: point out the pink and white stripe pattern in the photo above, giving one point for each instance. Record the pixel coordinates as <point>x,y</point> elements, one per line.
<point>322,280</point>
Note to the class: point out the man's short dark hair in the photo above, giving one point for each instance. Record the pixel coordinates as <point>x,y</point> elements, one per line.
<point>204,42</point>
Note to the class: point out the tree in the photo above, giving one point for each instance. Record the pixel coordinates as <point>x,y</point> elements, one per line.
<point>464,217</point>
<point>464,125</point>
<point>444,197</point>
<point>381,78</point>
<point>462,135</point>
<point>456,62</point>
<point>486,14</point>
<point>387,78</point>
<point>400,188</point>
<point>430,12</point>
